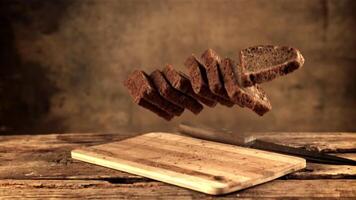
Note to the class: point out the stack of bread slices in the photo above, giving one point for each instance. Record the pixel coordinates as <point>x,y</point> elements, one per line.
<point>212,79</point>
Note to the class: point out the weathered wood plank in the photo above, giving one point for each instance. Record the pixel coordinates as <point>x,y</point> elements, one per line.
<point>322,171</point>
<point>78,189</point>
<point>48,157</point>
<point>320,141</point>
<point>18,143</point>
<point>323,141</point>
<point>59,165</point>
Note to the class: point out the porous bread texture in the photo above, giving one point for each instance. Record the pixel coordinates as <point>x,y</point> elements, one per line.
<point>199,80</point>
<point>266,62</point>
<point>211,61</point>
<point>140,86</point>
<point>252,97</point>
<point>173,95</point>
<point>181,82</point>
<point>149,106</point>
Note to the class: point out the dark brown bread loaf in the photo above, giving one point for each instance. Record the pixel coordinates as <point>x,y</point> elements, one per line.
<point>140,87</point>
<point>142,102</point>
<point>211,62</point>
<point>173,95</point>
<point>251,97</point>
<point>266,62</point>
<point>182,83</point>
<point>200,83</point>
<point>168,92</point>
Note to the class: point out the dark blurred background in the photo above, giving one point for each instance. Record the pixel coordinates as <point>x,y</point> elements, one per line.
<point>63,62</point>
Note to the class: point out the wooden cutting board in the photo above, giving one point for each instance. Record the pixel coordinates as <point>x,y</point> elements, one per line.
<point>209,167</point>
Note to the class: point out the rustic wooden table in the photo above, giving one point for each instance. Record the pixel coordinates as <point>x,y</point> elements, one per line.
<point>39,166</point>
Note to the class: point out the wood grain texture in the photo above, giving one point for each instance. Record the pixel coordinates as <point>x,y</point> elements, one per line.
<point>322,171</point>
<point>209,167</point>
<point>319,141</point>
<point>48,157</point>
<point>39,166</point>
<point>83,189</point>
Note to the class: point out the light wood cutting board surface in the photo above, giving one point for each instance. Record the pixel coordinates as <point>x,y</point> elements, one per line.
<point>200,165</point>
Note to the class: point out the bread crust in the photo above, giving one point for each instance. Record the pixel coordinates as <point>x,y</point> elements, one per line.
<point>168,92</point>
<point>149,106</point>
<point>249,78</point>
<point>171,94</point>
<point>141,87</point>
<point>211,61</point>
<point>200,83</point>
<point>252,97</point>
<point>181,82</point>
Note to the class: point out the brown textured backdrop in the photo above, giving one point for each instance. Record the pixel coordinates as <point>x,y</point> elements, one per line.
<point>63,62</point>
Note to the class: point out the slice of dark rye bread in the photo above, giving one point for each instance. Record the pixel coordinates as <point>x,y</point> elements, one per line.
<point>140,87</point>
<point>200,83</point>
<point>211,62</point>
<point>181,82</point>
<point>266,62</point>
<point>173,95</point>
<point>149,106</point>
<point>252,97</point>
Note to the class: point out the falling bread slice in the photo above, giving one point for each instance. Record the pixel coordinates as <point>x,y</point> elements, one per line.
<point>173,95</point>
<point>266,62</point>
<point>200,83</point>
<point>181,82</point>
<point>252,97</point>
<point>211,62</point>
<point>149,106</point>
<point>140,87</point>
<point>213,80</point>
